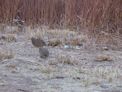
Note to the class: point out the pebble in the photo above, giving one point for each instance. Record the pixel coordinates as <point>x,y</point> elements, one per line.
<point>105,86</point>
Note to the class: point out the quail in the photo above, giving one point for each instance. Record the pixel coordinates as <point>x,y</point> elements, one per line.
<point>44,53</point>
<point>38,42</point>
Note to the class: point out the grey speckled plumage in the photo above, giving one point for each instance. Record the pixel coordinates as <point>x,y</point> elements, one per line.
<point>38,42</point>
<point>44,53</point>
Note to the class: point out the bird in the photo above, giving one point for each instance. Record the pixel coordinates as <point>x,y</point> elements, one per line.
<point>38,42</point>
<point>44,53</point>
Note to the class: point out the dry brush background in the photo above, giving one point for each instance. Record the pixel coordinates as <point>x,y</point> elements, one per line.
<point>83,38</point>
<point>95,12</point>
<point>102,17</point>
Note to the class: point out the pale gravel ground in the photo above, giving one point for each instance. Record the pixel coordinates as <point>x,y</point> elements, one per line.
<point>32,74</point>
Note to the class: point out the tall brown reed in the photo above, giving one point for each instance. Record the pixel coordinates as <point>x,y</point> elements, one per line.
<point>89,13</point>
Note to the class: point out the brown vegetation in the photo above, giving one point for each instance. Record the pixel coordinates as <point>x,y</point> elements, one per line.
<point>5,54</point>
<point>54,42</point>
<point>101,58</point>
<point>73,12</point>
<point>100,16</point>
<point>8,37</point>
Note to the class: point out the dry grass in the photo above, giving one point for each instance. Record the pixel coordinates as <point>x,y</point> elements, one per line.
<point>75,41</point>
<point>4,54</point>
<point>8,37</point>
<point>2,27</point>
<point>101,58</point>
<point>47,69</point>
<point>54,42</point>
<point>11,29</point>
<point>66,59</point>
<point>72,12</point>
<point>96,15</point>
<point>56,37</point>
<point>87,76</point>
<point>98,74</point>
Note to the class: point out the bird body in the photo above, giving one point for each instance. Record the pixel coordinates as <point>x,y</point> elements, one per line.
<point>38,42</point>
<point>44,53</point>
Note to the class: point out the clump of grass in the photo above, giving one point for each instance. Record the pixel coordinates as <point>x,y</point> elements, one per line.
<point>74,41</point>
<point>53,61</point>
<point>11,66</point>
<point>47,69</point>
<point>9,29</point>
<point>57,37</point>
<point>8,37</point>
<point>101,58</point>
<point>5,54</point>
<point>66,59</point>
<point>54,42</point>
<point>99,74</point>
<point>2,26</point>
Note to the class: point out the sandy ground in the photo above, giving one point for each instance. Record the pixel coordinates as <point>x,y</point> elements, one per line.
<point>65,70</point>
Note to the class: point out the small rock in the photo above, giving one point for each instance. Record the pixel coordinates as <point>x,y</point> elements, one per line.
<point>105,86</point>
<point>66,46</point>
<point>60,77</point>
<point>111,90</point>
<point>77,47</point>
<point>78,78</point>
<point>96,91</point>
<point>119,86</point>
<point>105,48</point>
<point>22,90</point>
